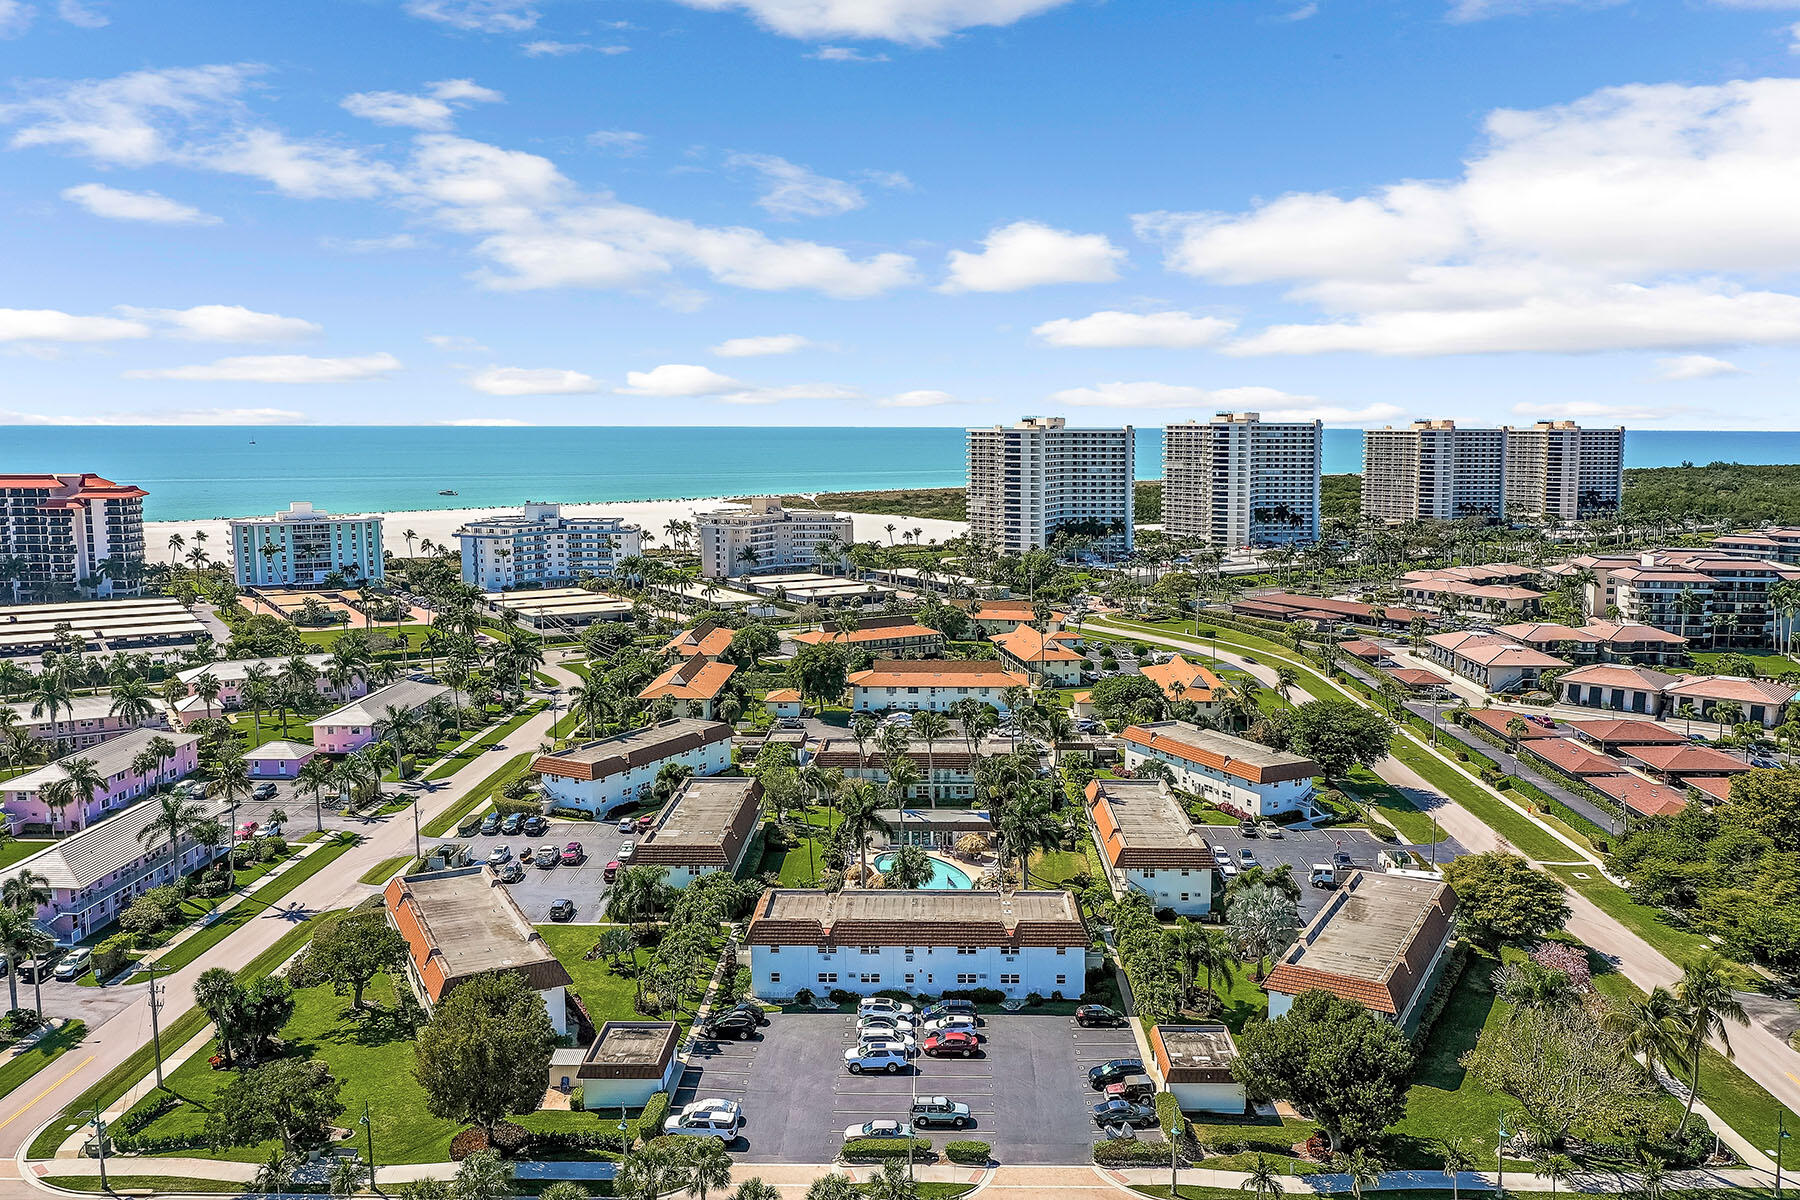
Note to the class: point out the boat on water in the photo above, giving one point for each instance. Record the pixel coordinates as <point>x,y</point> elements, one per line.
<point>447,491</point>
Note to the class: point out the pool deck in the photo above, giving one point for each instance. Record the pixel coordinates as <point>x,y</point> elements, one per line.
<point>951,872</point>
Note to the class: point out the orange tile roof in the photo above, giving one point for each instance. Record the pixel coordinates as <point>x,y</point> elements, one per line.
<point>694,679</point>
<point>915,632</point>
<point>1497,719</point>
<point>1628,733</point>
<point>1716,786</point>
<point>938,673</point>
<point>1571,759</point>
<point>783,696</point>
<point>705,640</point>
<point>1359,648</point>
<point>1198,685</point>
<point>1415,677</point>
<point>1606,675</point>
<point>1730,687</point>
<point>1640,795</point>
<point>1028,645</point>
<point>1222,752</point>
<point>1687,760</point>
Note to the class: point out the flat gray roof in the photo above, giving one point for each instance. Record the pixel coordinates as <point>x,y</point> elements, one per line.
<point>1145,813</point>
<point>368,710</point>
<point>1370,927</point>
<point>705,810</point>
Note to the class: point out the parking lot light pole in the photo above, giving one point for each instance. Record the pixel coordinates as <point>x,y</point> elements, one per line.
<point>369,1129</point>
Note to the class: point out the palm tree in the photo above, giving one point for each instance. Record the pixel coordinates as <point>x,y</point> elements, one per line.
<point>834,1187</point>
<point>755,1189</point>
<point>1708,1002</point>
<point>1030,824</point>
<point>1650,1027</point>
<point>15,943</point>
<point>174,820</point>
<point>704,1166</point>
<point>25,893</point>
<point>85,781</point>
<point>231,783</point>
<point>50,695</point>
<point>859,805</point>
<point>133,702</point>
<point>931,726</point>
<point>1557,1168</point>
<point>276,1173</point>
<point>1263,1178</point>
<point>1361,1167</point>
<point>1456,1160</point>
<point>315,778</point>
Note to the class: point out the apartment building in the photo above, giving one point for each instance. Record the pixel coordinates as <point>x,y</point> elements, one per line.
<point>917,941</point>
<point>540,545</point>
<point>932,685</point>
<point>1149,846</point>
<point>602,776</point>
<point>84,721</point>
<point>231,674</point>
<point>122,783</point>
<point>1435,470</point>
<point>71,533</point>
<point>1776,545</point>
<point>1716,600</point>
<point>946,772</point>
<point>897,636</point>
<point>301,545</point>
<point>1237,480</point>
<point>708,827</point>
<point>348,729</point>
<point>1238,776</point>
<point>1027,481</point>
<point>767,537</point>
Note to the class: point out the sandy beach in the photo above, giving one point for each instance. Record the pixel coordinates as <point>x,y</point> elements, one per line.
<point>440,525</point>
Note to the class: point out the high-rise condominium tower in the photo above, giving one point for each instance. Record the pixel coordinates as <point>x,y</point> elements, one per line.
<point>70,533</point>
<point>1237,480</point>
<point>1027,481</point>
<point>1435,470</point>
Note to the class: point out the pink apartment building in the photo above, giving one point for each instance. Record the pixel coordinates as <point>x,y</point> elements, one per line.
<point>348,729</point>
<point>23,800</point>
<point>85,721</point>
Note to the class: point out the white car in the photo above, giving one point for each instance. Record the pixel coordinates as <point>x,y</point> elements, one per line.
<point>857,1060</point>
<point>627,825</point>
<point>881,1004</point>
<point>712,1104</point>
<point>1221,853</point>
<point>945,1024</point>
<point>884,1021</point>
<point>878,1041</point>
<point>693,1121</point>
<point>626,850</point>
<point>878,1129</point>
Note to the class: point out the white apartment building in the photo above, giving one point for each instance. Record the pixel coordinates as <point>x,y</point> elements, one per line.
<point>766,537</point>
<point>1432,470</point>
<point>924,942</point>
<point>540,545</point>
<point>1149,846</point>
<point>1237,480</point>
<point>301,545</point>
<point>64,529</point>
<point>932,685</point>
<point>602,776</point>
<point>1236,775</point>
<point>1030,479</point>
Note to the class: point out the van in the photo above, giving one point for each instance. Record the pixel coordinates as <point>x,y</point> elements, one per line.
<point>1324,875</point>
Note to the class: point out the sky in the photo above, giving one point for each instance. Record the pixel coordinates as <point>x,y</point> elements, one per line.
<point>899,212</point>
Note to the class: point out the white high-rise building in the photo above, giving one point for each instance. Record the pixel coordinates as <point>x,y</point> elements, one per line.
<point>1434,470</point>
<point>1238,480</point>
<point>1027,481</point>
<point>766,537</point>
<point>69,533</point>
<point>302,545</point>
<point>540,545</point>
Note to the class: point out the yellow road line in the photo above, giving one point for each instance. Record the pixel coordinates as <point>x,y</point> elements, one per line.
<point>27,1105</point>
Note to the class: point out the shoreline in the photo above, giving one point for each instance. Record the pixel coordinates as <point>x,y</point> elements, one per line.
<point>439,525</point>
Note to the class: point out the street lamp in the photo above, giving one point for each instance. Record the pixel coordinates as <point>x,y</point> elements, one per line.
<point>1781,1135</point>
<point>1500,1155</point>
<point>99,1124</point>
<point>369,1129</point>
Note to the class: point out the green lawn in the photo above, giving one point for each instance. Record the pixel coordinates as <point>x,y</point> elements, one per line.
<point>1243,996</point>
<point>508,771</point>
<point>328,636</point>
<point>488,741</point>
<point>798,865</point>
<point>605,991</point>
<point>272,729</point>
<point>151,1183</point>
<point>1394,808</point>
<point>384,870</point>
<point>1242,1138</point>
<point>369,1051</point>
<point>47,1050</point>
<point>1768,666</point>
<point>18,849</point>
<point>1446,1102</point>
<point>254,905</point>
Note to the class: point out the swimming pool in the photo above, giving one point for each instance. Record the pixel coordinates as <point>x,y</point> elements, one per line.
<point>943,875</point>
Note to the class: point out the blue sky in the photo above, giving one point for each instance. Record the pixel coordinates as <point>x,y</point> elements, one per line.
<point>898,212</point>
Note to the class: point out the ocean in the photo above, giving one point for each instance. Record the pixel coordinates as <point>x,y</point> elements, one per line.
<point>200,472</point>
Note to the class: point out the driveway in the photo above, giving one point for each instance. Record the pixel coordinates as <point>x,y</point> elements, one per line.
<point>584,884</point>
<point>1027,1093</point>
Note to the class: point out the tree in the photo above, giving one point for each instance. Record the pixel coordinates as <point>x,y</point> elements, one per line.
<point>565,1189</point>
<point>639,893</point>
<point>1262,1178</point>
<point>1456,1160</point>
<point>704,1166</point>
<point>833,1187</point>
<point>1360,1167</point>
<point>1650,1027</point>
<point>346,1177</point>
<point>1564,1068</point>
<point>485,1053</point>
<point>1118,697</point>
<point>755,1189</point>
<point>295,1100</point>
<point>276,1173</point>
<point>349,952</point>
<point>909,867</point>
<point>891,1183</point>
<point>1331,1057</point>
<point>483,1175</point>
<point>1766,801</point>
<point>1500,898</point>
<point>1341,734</point>
<point>1263,920</point>
<point>1708,1001</point>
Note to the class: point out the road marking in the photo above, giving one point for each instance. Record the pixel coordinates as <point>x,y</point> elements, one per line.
<point>26,1107</point>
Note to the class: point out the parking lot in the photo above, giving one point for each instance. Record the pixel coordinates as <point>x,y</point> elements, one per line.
<point>1302,848</point>
<point>1027,1091</point>
<point>539,888</point>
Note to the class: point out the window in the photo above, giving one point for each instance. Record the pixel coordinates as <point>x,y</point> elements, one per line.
<point>869,977</point>
<point>911,978</point>
<point>828,977</point>
<point>1006,979</point>
<point>774,949</point>
<point>968,978</point>
<point>1061,979</point>
<point>869,949</point>
<point>774,976</point>
<point>1184,895</point>
<point>1150,874</point>
<point>1062,949</point>
<point>967,949</point>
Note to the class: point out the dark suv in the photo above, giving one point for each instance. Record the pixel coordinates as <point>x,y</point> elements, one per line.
<point>535,825</point>
<point>490,824</point>
<point>1108,1073</point>
<point>513,823</point>
<point>562,910</point>
<point>733,1024</point>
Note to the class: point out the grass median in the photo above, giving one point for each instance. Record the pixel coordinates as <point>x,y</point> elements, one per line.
<point>447,820</point>
<point>43,1052</point>
<point>384,870</point>
<point>469,751</point>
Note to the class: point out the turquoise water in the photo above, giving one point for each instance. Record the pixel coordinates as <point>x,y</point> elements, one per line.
<point>943,875</point>
<point>193,473</point>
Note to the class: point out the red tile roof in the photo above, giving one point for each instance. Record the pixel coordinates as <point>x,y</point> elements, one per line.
<point>1496,720</point>
<point>1571,759</point>
<point>1716,786</point>
<point>1628,733</point>
<point>1687,760</point>
<point>705,640</point>
<point>1640,795</point>
<point>1415,677</point>
<point>1221,752</point>
<point>932,672</point>
<point>858,637</point>
<point>694,679</point>
<point>1028,645</point>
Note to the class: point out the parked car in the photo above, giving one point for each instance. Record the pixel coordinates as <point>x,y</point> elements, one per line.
<point>939,1110</point>
<point>1134,1088</point>
<point>892,1060</point>
<point>947,1023</point>
<point>878,1129</point>
<point>1247,857</point>
<point>1270,829</point>
<point>890,1020</point>
<point>882,1004</point>
<point>627,848</point>
<point>247,830</point>
<point>573,855</point>
<point>611,872</point>
<point>562,910</point>
<point>272,829</point>
<point>535,826</point>
<point>75,964</point>
<point>499,854</point>
<point>526,854</point>
<point>753,1011</point>
<point>1108,1073</point>
<point>1247,827</point>
<point>32,970</point>
<point>1324,875</point>
<point>949,1008</point>
<point>1221,854</point>
<point>627,825</point>
<point>512,824</point>
<point>952,1041</point>
<point>731,1025</point>
<point>1342,859</point>
<point>717,1123</point>
<point>905,1043</point>
<point>711,1104</point>
<point>264,791</point>
<point>645,822</point>
<point>546,857</point>
<point>1124,1112</point>
<point>512,872</point>
<point>490,824</point>
<point>1098,1014</point>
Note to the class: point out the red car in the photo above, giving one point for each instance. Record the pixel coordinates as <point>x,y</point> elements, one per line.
<point>573,854</point>
<point>646,821</point>
<point>952,1041</point>
<point>612,871</point>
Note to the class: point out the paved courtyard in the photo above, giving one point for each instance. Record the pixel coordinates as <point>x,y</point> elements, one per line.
<point>1300,849</point>
<point>1027,1092</point>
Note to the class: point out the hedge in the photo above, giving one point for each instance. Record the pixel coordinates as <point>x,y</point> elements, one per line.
<point>1168,1113</point>
<point>1126,1152</point>
<point>969,1154</point>
<point>886,1148</point>
<point>656,1110</point>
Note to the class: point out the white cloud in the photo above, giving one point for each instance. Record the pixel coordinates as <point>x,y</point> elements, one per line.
<point>553,49</point>
<point>224,323</point>
<point>756,347</point>
<point>371,245</point>
<point>624,142</point>
<point>180,416</point>
<point>1481,10</point>
<point>1794,34</point>
<point>477,16</point>
<point>15,18</point>
<point>797,191</point>
<point>1272,403</point>
<point>1029,254</point>
<point>1175,330</point>
<point>922,398</point>
<point>434,111</point>
<point>895,180</point>
<point>1578,410</point>
<point>117,204</point>
<point>277,368</point>
<point>464,91</point>
<point>77,13</point>
<point>1305,12</point>
<point>846,54</point>
<point>532,381</point>
<point>916,22</point>
<point>792,391</point>
<point>1623,220</point>
<point>678,379</point>
<point>49,325</point>
<point>1694,366</point>
<point>454,342</point>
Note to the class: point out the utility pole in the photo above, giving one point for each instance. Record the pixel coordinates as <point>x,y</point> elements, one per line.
<point>369,1128</point>
<point>99,1125</point>
<point>417,853</point>
<point>1781,1135</point>
<point>153,970</point>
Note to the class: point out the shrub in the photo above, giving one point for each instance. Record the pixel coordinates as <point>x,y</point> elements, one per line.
<point>140,1117</point>
<point>577,1139</point>
<point>506,805</point>
<point>572,814</point>
<point>840,996</point>
<point>22,1021</point>
<point>1559,956</point>
<point>110,956</point>
<point>578,1099</point>
<point>885,1148</point>
<point>989,996</point>
<point>1126,1152</point>
<point>969,1154</point>
<point>804,996</point>
<point>655,1110</point>
<point>1168,1112</point>
<point>518,789</point>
